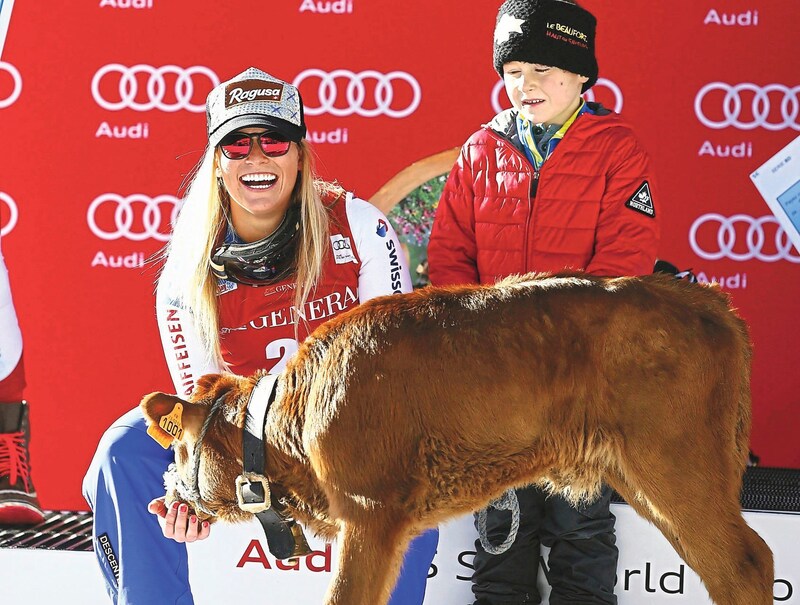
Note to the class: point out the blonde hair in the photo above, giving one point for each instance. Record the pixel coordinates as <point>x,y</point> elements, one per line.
<point>186,276</point>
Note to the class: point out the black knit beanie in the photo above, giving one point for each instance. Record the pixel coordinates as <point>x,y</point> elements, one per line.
<point>558,33</point>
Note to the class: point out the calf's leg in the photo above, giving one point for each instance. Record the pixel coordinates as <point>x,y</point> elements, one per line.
<point>695,504</point>
<point>370,556</point>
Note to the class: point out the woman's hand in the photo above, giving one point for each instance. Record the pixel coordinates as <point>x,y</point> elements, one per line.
<point>179,525</point>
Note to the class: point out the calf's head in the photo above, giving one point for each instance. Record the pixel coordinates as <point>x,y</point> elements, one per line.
<point>206,434</point>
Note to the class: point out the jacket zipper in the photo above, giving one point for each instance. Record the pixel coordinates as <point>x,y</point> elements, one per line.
<point>531,196</point>
<point>534,176</point>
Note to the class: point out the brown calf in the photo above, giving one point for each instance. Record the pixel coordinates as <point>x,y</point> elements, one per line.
<point>415,408</point>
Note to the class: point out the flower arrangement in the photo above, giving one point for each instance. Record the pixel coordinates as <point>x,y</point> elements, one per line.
<point>412,219</point>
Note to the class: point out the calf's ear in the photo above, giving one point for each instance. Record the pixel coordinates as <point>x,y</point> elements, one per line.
<point>169,417</point>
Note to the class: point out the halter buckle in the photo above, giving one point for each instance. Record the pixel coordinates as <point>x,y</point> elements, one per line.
<point>252,492</point>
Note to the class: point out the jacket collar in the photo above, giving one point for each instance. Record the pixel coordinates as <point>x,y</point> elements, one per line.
<point>504,123</point>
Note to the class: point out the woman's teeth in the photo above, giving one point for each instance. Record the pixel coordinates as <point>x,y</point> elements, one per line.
<point>259,181</point>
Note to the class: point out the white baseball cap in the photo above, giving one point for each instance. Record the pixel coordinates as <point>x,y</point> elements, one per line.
<point>254,98</point>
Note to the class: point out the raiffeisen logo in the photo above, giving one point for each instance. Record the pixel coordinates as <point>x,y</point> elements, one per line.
<point>604,91</point>
<point>8,219</point>
<point>9,91</point>
<point>143,87</point>
<point>367,93</point>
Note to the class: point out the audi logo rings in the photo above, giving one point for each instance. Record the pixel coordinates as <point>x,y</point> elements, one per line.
<point>7,200</point>
<point>589,95</point>
<point>755,239</point>
<point>156,87</point>
<point>127,222</point>
<point>356,92</point>
<point>16,90</point>
<point>760,106</point>
<point>611,86</point>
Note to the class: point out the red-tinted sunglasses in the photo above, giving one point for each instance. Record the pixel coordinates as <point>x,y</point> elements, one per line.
<point>237,145</point>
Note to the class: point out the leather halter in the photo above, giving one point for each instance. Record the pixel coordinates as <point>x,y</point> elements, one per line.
<point>284,537</point>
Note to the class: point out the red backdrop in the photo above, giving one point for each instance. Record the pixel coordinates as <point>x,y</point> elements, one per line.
<point>101,119</point>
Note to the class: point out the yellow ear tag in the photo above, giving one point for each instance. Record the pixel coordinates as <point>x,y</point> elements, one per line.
<point>168,428</point>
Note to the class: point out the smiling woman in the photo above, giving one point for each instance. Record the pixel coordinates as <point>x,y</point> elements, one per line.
<point>262,253</point>
<point>259,182</point>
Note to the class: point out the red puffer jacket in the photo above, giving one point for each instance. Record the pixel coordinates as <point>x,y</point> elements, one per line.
<point>590,207</point>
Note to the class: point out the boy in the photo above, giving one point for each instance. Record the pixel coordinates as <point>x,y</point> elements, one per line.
<point>553,183</point>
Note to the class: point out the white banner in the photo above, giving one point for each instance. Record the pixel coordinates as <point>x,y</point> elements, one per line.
<point>234,564</point>
<point>227,569</point>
